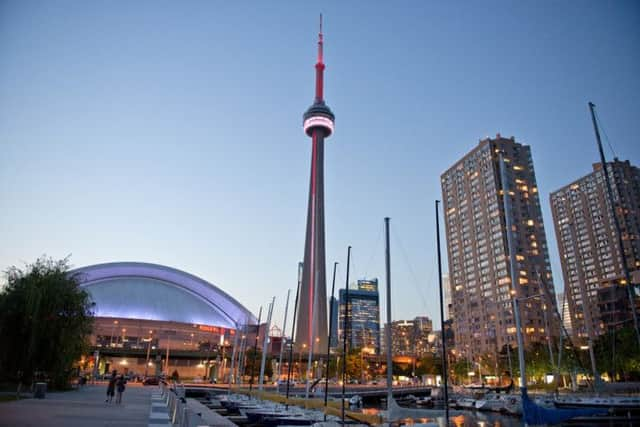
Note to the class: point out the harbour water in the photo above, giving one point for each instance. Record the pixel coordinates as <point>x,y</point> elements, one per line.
<point>492,419</point>
<point>467,419</point>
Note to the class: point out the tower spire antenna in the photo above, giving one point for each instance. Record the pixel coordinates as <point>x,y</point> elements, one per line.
<point>320,42</point>
<point>320,67</point>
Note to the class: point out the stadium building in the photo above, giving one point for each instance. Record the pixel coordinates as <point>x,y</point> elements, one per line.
<point>152,319</point>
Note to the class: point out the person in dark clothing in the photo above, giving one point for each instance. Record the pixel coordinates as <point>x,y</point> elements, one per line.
<point>111,387</point>
<point>120,388</point>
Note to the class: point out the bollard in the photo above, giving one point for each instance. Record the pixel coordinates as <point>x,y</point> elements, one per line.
<point>174,410</point>
<point>168,401</point>
<point>184,422</point>
<point>40,390</point>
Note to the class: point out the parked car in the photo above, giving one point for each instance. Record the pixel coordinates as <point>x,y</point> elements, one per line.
<point>151,381</point>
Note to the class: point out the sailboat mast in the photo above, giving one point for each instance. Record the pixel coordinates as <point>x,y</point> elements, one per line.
<point>387,262</point>
<point>284,334</point>
<point>445,370</point>
<point>545,315</point>
<point>616,222</point>
<point>233,358</point>
<point>512,268</point>
<point>326,375</point>
<point>255,349</point>
<point>345,331</point>
<point>293,330</point>
<point>264,344</point>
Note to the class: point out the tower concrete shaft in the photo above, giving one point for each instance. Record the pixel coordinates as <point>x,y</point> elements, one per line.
<point>311,327</point>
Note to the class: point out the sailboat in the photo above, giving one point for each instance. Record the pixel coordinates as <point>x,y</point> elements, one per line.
<point>532,413</point>
<point>394,411</point>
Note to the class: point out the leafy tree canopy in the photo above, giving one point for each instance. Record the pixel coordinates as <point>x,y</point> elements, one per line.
<point>45,322</point>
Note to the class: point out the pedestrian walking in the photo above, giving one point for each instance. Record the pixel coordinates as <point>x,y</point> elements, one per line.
<point>120,388</point>
<point>111,387</point>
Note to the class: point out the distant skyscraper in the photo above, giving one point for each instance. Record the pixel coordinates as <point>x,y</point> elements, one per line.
<point>480,283</point>
<point>566,317</point>
<point>402,338</point>
<point>588,244</point>
<point>311,326</point>
<point>334,321</point>
<point>412,338</point>
<point>364,316</point>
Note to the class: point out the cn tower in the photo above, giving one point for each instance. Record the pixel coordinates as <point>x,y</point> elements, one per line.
<point>311,326</point>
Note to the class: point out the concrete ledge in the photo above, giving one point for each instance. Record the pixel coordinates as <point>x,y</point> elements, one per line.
<point>208,416</point>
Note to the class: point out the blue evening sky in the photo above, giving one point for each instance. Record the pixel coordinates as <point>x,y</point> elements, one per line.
<point>170,132</point>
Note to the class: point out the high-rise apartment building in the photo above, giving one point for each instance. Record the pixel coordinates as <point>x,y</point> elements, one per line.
<point>364,316</point>
<point>422,331</point>
<point>412,338</point>
<point>479,273</point>
<point>588,245</point>
<point>402,338</point>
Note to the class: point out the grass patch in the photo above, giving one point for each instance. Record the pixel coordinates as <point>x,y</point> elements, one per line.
<point>7,398</point>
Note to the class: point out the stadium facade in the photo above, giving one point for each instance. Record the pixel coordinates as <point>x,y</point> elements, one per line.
<point>153,319</point>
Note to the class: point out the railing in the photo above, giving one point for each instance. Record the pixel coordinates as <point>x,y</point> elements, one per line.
<point>179,413</point>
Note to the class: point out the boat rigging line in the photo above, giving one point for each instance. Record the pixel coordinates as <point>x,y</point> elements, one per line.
<point>445,369</point>
<point>345,332</point>
<point>414,277</point>
<point>616,223</point>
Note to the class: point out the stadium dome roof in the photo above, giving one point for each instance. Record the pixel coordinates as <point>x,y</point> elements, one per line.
<point>135,290</point>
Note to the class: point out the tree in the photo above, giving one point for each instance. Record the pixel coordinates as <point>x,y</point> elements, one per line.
<point>460,370</point>
<point>253,361</point>
<point>354,363</point>
<point>45,322</point>
<point>617,354</point>
<point>429,365</point>
<point>537,361</point>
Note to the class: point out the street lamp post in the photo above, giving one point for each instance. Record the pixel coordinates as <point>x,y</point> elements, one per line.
<point>304,346</point>
<point>113,331</point>
<point>521,364</point>
<point>146,365</point>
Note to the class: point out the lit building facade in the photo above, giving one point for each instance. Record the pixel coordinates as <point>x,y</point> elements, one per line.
<point>566,317</point>
<point>363,309</point>
<point>413,338</point>
<point>335,310</point>
<point>152,319</point>
<point>479,274</point>
<point>588,245</point>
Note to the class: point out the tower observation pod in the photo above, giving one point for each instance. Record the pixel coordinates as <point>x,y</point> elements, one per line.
<point>311,326</point>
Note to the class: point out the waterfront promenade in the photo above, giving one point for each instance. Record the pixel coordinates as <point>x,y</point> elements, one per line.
<point>82,407</point>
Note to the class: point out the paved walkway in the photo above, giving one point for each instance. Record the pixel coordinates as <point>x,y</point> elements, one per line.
<point>83,407</point>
